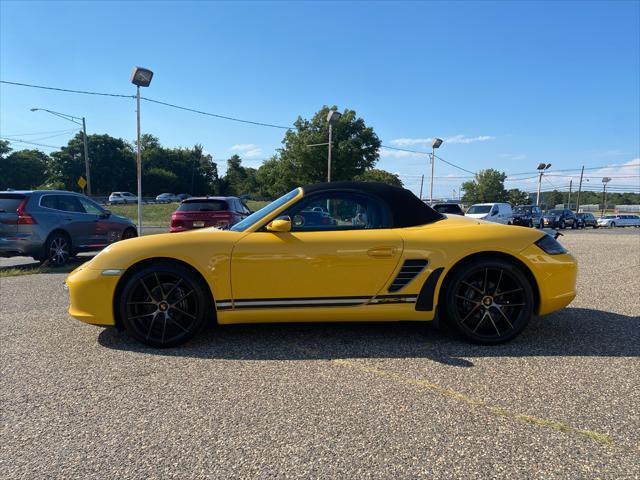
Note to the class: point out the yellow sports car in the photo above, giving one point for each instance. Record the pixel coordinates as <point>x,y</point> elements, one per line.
<point>333,252</point>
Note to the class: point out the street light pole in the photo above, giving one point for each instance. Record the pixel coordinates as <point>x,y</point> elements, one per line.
<point>569,199</point>
<point>435,144</point>
<point>542,167</point>
<point>579,189</point>
<point>605,180</point>
<point>86,155</point>
<point>329,154</point>
<point>140,77</point>
<point>139,162</point>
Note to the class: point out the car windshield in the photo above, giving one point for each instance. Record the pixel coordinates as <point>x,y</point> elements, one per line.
<point>264,211</point>
<point>479,209</point>
<point>9,202</point>
<point>447,208</point>
<point>522,210</point>
<point>203,206</point>
<point>555,212</point>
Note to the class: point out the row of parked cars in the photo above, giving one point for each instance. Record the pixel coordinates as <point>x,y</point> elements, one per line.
<point>532,216</point>
<point>127,197</point>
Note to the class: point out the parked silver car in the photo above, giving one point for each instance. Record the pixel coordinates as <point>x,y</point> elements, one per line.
<point>612,221</point>
<point>167,198</point>
<point>53,225</point>
<point>122,197</point>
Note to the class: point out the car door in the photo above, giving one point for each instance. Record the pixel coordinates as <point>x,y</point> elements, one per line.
<point>340,258</point>
<point>102,231</point>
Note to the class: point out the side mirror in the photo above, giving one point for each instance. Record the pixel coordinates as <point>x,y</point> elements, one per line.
<point>105,214</point>
<point>280,224</point>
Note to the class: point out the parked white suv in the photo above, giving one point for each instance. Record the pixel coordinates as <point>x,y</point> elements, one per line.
<point>122,197</point>
<point>492,212</point>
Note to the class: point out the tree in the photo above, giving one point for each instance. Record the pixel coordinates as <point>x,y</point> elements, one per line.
<point>22,169</point>
<point>377,175</point>
<point>355,148</point>
<point>113,166</point>
<point>488,186</point>
<point>554,198</point>
<point>518,197</point>
<point>158,180</point>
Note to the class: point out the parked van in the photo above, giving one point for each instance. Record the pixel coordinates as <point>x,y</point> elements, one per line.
<point>492,212</point>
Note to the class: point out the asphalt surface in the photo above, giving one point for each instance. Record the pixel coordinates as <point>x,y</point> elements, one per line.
<point>329,401</point>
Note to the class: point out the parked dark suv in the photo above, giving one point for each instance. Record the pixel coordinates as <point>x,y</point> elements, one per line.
<point>586,220</point>
<point>559,218</point>
<point>448,208</point>
<point>527,216</point>
<point>53,225</point>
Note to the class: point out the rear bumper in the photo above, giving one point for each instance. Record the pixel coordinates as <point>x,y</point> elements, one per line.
<point>19,244</point>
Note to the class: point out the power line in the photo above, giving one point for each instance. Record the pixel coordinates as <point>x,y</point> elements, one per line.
<point>12,140</point>
<point>83,92</point>
<point>428,154</point>
<point>216,115</point>
<point>38,133</point>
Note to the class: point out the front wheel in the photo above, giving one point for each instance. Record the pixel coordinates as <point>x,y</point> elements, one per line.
<point>612,225</point>
<point>489,301</point>
<point>562,225</point>
<point>129,233</point>
<point>530,224</point>
<point>163,305</point>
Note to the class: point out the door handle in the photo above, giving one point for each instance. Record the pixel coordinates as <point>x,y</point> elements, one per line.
<point>381,252</point>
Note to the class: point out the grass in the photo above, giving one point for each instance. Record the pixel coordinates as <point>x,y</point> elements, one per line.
<point>36,267</point>
<point>160,214</point>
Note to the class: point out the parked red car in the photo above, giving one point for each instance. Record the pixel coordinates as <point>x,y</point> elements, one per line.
<point>201,212</point>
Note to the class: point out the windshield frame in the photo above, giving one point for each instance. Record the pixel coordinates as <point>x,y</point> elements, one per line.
<point>257,219</point>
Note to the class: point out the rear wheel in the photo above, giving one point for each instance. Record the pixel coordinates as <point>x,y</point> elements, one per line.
<point>57,250</point>
<point>163,305</point>
<point>489,301</point>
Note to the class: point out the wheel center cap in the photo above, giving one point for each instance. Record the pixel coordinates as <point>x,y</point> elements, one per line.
<point>487,301</point>
<point>163,306</point>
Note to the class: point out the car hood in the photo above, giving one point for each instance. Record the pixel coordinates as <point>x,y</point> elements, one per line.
<point>193,247</point>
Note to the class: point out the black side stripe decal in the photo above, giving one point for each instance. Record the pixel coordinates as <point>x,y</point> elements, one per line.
<point>308,302</point>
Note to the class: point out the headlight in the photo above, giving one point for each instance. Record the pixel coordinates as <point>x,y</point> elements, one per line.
<point>550,245</point>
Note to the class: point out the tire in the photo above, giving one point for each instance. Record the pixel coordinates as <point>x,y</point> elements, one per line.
<point>612,225</point>
<point>57,250</point>
<point>574,225</point>
<point>530,224</point>
<point>469,291</point>
<point>129,233</point>
<point>562,225</point>
<point>163,305</point>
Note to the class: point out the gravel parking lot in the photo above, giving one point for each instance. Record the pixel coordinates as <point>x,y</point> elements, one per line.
<point>339,401</point>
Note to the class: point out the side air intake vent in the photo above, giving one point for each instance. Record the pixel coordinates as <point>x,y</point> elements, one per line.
<point>410,270</point>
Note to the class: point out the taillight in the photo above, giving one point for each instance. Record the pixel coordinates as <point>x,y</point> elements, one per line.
<point>23,217</point>
<point>174,221</point>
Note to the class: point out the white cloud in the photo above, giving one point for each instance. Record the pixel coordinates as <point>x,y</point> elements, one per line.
<point>426,142</point>
<point>246,149</point>
<point>513,156</point>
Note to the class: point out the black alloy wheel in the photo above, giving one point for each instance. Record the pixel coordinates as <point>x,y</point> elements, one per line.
<point>163,305</point>
<point>489,301</point>
<point>57,250</point>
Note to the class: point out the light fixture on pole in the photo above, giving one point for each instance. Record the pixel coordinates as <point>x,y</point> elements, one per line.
<point>333,117</point>
<point>140,77</point>
<point>542,167</point>
<point>605,180</point>
<point>435,144</point>
<point>78,121</point>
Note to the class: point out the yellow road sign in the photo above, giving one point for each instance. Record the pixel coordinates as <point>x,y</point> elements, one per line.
<point>82,182</point>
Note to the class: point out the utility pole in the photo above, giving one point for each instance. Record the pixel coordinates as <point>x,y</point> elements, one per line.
<point>329,155</point>
<point>569,199</point>
<point>605,180</point>
<point>579,189</point>
<point>421,183</point>
<point>541,167</point>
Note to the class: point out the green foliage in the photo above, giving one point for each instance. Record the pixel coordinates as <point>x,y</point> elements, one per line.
<point>355,150</point>
<point>160,180</point>
<point>488,186</point>
<point>238,179</point>
<point>377,175</point>
<point>22,169</point>
<point>112,164</point>
<point>518,197</point>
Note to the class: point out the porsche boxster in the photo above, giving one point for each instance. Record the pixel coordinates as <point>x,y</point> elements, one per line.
<point>333,252</point>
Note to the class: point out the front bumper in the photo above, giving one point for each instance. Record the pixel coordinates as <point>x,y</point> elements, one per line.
<point>556,277</point>
<point>91,295</point>
<point>549,222</point>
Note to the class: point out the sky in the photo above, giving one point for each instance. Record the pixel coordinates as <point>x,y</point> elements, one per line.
<point>507,85</point>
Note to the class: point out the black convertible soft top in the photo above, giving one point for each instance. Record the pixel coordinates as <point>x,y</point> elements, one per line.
<point>407,210</point>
